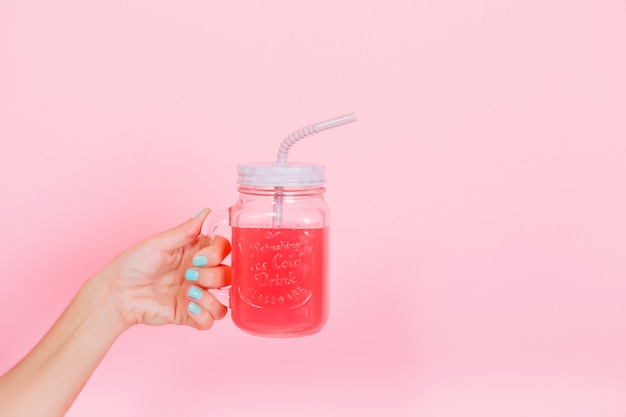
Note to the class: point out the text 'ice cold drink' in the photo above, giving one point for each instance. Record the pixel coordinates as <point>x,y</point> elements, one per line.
<point>281,280</point>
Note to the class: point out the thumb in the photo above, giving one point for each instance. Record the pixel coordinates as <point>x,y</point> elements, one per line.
<point>182,234</point>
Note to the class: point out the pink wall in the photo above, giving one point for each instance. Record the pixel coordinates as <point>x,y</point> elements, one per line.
<point>478,227</point>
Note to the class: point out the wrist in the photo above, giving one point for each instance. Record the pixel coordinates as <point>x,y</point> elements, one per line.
<point>100,295</point>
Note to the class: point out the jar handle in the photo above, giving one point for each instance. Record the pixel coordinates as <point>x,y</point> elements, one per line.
<point>214,221</point>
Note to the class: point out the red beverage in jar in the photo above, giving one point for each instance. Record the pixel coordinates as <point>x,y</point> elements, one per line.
<point>280,280</point>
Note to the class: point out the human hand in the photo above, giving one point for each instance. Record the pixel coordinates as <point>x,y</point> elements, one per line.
<point>147,284</point>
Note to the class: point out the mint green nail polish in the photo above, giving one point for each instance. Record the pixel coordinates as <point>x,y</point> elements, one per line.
<point>200,261</point>
<point>193,308</point>
<point>194,293</point>
<point>198,213</point>
<point>191,275</point>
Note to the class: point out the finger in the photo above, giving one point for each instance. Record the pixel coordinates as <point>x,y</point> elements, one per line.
<point>198,317</point>
<point>213,254</point>
<point>182,234</point>
<point>206,301</point>
<point>213,277</point>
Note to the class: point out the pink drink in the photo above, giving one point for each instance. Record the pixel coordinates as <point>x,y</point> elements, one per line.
<point>280,280</point>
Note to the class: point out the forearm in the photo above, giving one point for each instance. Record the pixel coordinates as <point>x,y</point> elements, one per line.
<point>48,379</point>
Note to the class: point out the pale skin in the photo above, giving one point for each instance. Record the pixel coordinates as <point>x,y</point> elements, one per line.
<point>146,284</point>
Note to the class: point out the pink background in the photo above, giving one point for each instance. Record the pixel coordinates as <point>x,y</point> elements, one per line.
<point>478,227</point>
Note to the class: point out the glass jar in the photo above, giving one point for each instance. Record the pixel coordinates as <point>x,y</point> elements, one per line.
<point>280,237</point>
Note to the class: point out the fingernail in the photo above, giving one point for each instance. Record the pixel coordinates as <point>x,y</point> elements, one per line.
<point>191,275</point>
<point>193,308</point>
<point>194,293</point>
<point>200,260</point>
<point>198,213</point>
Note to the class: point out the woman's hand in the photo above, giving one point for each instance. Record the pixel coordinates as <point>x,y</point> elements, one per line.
<point>144,284</point>
<point>147,285</point>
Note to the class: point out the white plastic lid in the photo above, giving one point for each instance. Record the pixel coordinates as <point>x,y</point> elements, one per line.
<point>273,174</point>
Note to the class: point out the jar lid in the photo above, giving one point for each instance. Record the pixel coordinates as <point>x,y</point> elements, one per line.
<point>273,174</point>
